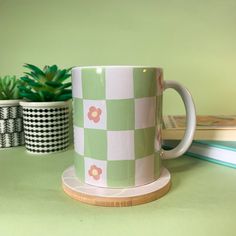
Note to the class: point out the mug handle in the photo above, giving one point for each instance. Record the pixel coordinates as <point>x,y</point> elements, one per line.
<point>184,144</point>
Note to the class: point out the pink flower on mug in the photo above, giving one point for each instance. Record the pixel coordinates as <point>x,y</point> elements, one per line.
<point>95,172</point>
<point>94,114</point>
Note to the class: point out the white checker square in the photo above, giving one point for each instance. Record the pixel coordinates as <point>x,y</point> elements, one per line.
<point>95,172</point>
<point>144,170</point>
<point>120,145</point>
<point>95,114</point>
<point>145,112</point>
<point>79,140</point>
<point>77,83</point>
<point>119,83</point>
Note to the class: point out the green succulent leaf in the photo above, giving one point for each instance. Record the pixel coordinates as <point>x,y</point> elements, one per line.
<point>35,69</point>
<point>9,88</point>
<point>48,83</point>
<point>62,75</point>
<point>31,82</point>
<point>33,75</point>
<point>66,91</point>
<point>64,97</point>
<point>23,88</point>
<point>50,71</point>
<point>46,96</point>
<point>31,96</point>
<point>66,85</point>
<point>54,84</point>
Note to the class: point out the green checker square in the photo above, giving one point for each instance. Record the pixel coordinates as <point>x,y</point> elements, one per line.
<point>79,166</point>
<point>95,144</point>
<point>157,165</point>
<point>78,112</point>
<point>121,173</point>
<point>144,142</point>
<point>93,83</point>
<point>144,82</point>
<point>120,114</point>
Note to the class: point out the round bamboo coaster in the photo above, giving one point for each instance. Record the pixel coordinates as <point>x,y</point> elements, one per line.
<point>114,197</point>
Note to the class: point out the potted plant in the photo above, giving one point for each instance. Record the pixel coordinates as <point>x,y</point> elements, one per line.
<point>46,108</point>
<point>11,123</point>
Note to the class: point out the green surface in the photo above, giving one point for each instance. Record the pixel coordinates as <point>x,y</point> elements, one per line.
<point>201,201</point>
<point>194,41</point>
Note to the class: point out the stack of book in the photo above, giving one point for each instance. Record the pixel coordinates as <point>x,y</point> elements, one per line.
<point>214,140</point>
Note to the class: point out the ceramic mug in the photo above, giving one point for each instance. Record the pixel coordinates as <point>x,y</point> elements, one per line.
<point>117,124</point>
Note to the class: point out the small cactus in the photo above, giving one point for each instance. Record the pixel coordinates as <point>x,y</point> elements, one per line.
<point>9,88</point>
<point>45,85</point>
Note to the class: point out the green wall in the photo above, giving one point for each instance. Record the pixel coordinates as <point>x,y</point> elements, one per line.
<point>194,41</point>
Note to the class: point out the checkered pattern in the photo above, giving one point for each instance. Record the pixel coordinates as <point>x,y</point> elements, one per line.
<point>115,122</point>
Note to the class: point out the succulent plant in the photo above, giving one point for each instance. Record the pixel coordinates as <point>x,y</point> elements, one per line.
<point>45,85</point>
<point>9,88</point>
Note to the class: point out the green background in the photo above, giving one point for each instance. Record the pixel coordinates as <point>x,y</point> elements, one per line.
<point>194,41</point>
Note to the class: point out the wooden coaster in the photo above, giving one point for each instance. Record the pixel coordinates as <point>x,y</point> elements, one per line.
<point>114,197</point>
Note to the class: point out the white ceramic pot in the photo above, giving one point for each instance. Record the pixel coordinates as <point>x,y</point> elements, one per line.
<point>46,126</point>
<point>11,124</point>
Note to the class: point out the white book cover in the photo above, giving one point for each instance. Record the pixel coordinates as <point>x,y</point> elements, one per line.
<point>221,152</point>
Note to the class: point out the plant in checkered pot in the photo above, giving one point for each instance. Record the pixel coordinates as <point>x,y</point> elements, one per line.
<point>11,124</point>
<point>46,93</point>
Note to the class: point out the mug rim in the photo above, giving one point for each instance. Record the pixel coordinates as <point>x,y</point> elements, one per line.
<point>117,66</point>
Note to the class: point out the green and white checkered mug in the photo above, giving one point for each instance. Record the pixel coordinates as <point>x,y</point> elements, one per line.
<point>117,124</point>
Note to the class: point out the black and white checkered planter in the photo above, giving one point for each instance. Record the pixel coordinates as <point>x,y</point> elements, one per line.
<point>11,124</point>
<point>46,126</point>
